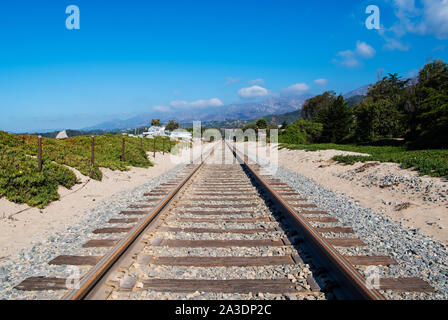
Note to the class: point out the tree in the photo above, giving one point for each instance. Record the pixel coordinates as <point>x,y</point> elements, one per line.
<point>155,122</point>
<point>312,106</point>
<point>301,132</point>
<point>376,120</point>
<point>261,123</point>
<point>284,125</point>
<point>430,106</point>
<point>336,119</point>
<point>381,114</point>
<point>390,87</point>
<point>172,125</point>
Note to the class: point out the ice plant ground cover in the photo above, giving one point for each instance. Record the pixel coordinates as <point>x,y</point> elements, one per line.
<point>21,181</point>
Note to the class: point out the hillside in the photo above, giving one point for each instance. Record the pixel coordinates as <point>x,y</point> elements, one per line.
<point>362,91</point>
<point>288,117</point>
<point>354,100</point>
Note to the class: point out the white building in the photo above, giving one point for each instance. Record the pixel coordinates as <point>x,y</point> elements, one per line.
<point>181,135</point>
<point>155,131</point>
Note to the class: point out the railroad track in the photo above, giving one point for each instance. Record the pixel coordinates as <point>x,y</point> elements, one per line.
<point>222,230</point>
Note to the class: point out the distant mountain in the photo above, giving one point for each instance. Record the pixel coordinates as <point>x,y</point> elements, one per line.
<point>278,119</point>
<point>243,111</point>
<point>227,124</point>
<point>354,100</point>
<point>357,92</point>
<point>141,120</point>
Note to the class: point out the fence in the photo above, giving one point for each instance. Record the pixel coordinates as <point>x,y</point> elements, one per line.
<point>123,149</point>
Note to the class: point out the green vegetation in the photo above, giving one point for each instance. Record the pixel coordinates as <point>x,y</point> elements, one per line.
<point>312,106</point>
<point>277,119</point>
<point>413,112</point>
<point>336,119</point>
<point>414,109</point>
<point>21,182</point>
<point>156,122</point>
<point>354,100</point>
<point>76,133</point>
<point>172,125</point>
<point>431,162</point>
<point>261,124</point>
<point>301,132</point>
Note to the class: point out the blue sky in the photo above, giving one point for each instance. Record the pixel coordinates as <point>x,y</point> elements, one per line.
<point>136,56</point>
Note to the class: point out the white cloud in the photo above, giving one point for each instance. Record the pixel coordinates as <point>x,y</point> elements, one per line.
<point>364,50</point>
<point>348,58</point>
<point>214,102</point>
<point>428,17</point>
<point>436,17</point>
<point>321,81</point>
<point>178,103</point>
<point>352,58</point>
<point>440,48</point>
<point>298,88</point>
<point>256,81</point>
<point>394,44</point>
<point>230,80</point>
<point>252,92</point>
<point>162,108</point>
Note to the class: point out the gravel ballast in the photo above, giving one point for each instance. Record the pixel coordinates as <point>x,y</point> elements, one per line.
<point>34,262</point>
<point>417,255</point>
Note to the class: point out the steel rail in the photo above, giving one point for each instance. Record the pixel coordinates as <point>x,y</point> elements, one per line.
<point>95,274</point>
<point>352,285</point>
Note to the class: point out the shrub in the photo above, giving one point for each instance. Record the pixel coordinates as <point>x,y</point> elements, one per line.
<point>21,182</point>
<point>301,132</point>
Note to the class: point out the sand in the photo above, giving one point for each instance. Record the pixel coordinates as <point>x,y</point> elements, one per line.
<point>21,225</point>
<point>429,218</point>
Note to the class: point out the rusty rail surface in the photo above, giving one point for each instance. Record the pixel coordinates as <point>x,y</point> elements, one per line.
<point>351,284</point>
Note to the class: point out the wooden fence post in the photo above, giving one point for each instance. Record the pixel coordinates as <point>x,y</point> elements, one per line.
<point>123,150</point>
<point>163,146</point>
<point>141,142</point>
<point>93,150</point>
<point>154,147</point>
<point>39,152</point>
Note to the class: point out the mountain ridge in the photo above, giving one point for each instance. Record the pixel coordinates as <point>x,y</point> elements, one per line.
<point>242,111</point>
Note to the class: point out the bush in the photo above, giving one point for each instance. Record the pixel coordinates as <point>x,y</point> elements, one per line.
<point>21,182</point>
<point>301,132</point>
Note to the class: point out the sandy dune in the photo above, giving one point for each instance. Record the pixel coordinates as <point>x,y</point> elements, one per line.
<point>418,202</point>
